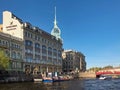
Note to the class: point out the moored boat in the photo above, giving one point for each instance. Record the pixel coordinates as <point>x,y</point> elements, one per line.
<point>37,78</point>
<point>47,79</point>
<point>61,78</point>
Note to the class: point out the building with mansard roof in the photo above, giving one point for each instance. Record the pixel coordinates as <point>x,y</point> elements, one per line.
<point>41,51</point>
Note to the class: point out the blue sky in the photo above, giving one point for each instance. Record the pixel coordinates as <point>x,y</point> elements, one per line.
<point>89,26</point>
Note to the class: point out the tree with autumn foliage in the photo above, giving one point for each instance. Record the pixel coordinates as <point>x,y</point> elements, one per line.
<point>4,60</point>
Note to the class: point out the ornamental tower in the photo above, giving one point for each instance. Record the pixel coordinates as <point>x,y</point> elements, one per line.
<point>56,31</point>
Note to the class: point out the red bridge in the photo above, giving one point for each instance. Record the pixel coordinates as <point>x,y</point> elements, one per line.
<point>114,71</point>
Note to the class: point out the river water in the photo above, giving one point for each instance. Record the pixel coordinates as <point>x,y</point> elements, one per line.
<point>78,84</point>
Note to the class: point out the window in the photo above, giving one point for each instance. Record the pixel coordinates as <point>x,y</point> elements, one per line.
<point>49,49</point>
<point>43,47</point>
<point>28,43</point>
<point>29,58</point>
<point>13,55</point>
<point>37,45</point>
<point>18,56</point>
<point>54,50</point>
<point>25,34</point>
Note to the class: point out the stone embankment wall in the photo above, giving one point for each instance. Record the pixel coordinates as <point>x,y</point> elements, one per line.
<point>6,77</point>
<point>87,75</point>
<point>15,79</point>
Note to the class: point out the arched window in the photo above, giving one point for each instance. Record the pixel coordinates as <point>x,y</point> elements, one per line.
<point>54,50</point>
<point>50,49</point>
<point>37,45</point>
<point>13,54</point>
<point>18,56</point>
<point>44,50</point>
<point>28,43</point>
<point>59,55</point>
<point>54,53</point>
<point>43,47</point>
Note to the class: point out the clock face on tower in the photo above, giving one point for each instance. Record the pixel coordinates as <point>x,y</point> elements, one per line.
<point>56,30</point>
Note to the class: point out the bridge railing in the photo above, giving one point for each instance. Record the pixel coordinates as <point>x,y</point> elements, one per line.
<point>107,72</point>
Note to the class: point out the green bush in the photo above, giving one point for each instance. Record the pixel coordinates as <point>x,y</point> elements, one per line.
<point>4,60</point>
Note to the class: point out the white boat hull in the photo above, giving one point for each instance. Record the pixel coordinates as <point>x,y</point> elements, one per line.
<point>105,77</point>
<point>37,80</point>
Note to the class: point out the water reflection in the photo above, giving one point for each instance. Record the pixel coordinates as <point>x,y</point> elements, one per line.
<point>56,86</point>
<point>88,84</point>
<point>23,86</point>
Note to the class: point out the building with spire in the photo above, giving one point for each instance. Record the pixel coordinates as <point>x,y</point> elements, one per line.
<point>56,31</point>
<point>40,51</point>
